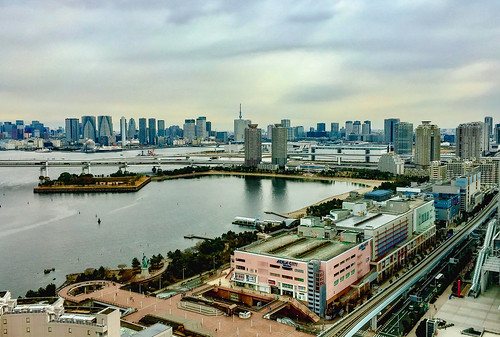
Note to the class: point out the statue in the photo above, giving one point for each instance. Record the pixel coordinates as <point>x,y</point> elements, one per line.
<point>145,262</point>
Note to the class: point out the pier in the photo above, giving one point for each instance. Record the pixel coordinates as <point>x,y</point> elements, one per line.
<point>194,236</point>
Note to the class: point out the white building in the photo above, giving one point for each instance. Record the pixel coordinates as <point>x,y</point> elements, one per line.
<point>358,153</point>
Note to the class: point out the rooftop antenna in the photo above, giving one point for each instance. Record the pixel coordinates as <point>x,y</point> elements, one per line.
<point>240,110</point>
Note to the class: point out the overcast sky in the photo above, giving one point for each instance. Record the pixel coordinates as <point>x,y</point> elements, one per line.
<point>307,61</point>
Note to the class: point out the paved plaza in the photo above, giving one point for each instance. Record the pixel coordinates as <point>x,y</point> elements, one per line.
<point>112,293</point>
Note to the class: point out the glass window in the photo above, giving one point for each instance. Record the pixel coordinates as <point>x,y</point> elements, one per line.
<point>336,282</point>
<point>342,279</point>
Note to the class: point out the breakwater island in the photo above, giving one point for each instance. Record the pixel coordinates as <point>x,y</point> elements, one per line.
<point>87,183</point>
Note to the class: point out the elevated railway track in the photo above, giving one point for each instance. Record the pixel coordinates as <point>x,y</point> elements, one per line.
<point>363,314</point>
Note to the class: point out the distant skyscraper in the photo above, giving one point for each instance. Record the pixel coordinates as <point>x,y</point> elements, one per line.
<point>269,131</point>
<point>489,125</point>
<point>286,123</point>
<point>389,129</point>
<point>403,138</point>
<point>201,127</point>
<point>152,131</point>
<point>72,130</point>
<point>132,128</point>
<point>470,140</point>
<point>209,127</point>
<point>427,144</point>
<point>89,128</point>
<point>348,128</point>
<point>189,129</point>
<point>366,128</point>
<point>279,145</point>
<point>239,128</point>
<point>356,127</point>
<point>105,125</point>
<point>321,127</point>
<point>123,130</point>
<point>253,146</point>
<point>334,130</point>
<point>161,128</point>
<point>497,134</point>
<point>143,135</point>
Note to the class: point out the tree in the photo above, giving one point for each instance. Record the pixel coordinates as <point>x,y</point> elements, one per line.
<point>420,331</point>
<point>135,263</point>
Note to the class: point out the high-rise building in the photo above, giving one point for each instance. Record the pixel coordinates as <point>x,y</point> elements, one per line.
<point>209,127</point>
<point>403,138</point>
<point>470,140</point>
<point>239,128</point>
<point>123,130</point>
<point>105,126</point>
<point>320,127</point>
<point>143,128</point>
<point>427,144</point>
<point>161,128</point>
<point>132,128</point>
<point>253,146</point>
<point>334,131</point>
<point>356,127</point>
<point>489,125</point>
<point>366,128</point>
<point>279,145</point>
<point>269,131</point>
<point>201,127</point>
<point>497,134</point>
<point>348,128</point>
<point>89,128</point>
<point>389,124</point>
<point>72,130</point>
<point>152,131</point>
<point>189,129</point>
<point>286,123</point>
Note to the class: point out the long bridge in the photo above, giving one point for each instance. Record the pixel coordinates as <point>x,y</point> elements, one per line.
<point>368,311</point>
<point>86,165</point>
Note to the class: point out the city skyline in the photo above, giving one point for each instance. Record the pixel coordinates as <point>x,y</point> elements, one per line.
<point>324,63</point>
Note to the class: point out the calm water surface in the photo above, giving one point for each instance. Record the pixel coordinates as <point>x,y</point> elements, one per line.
<point>61,231</point>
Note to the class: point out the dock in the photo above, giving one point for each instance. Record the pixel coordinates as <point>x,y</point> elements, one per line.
<point>193,236</point>
<point>278,214</point>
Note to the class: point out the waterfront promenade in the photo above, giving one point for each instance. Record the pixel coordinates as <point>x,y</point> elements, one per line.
<point>144,305</point>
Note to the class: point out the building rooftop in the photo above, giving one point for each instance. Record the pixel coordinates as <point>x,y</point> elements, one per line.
<point>379,193</point>
<point>368,221</point>
<point>153,330</point>
<point>293,246</point>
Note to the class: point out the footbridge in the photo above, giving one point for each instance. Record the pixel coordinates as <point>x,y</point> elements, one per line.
<point>368,311</point>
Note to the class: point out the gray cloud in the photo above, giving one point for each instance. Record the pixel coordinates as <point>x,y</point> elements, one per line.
<point>174,59</point>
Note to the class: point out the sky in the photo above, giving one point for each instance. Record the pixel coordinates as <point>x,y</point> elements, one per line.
<point>307,61</point>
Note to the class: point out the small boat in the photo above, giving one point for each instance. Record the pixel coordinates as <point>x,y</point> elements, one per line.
<point>99,221</point>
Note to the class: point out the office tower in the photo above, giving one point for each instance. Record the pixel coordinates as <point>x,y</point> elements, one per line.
<point>161,128</point>
<point>286,123</point>
<point>152,131</point>
<point>470,140</point>
<point>497,134</point>
<point>132,128</point>
<point>123,130</point>
<point>269,131</point>
<point>239,128</point>
<point>389,129</point>
<point>201,127</point>
<point>89,130</point>
<point>366,128</point>
<point>403,138</point>
<point>348,128</point>
<point>489,125</point>
<point>72,130</point>
<point>143,131</point>
<point>356,127</point>
<point>279,145</point>
<point>334,130</point>
<point>221,136</point>
<point>253,146</point>
<point>298,132</point>
<point>427,144</point>
<point>321,127</point>
<point>105,126</point>
<point>209,127</point>
<point>189,129</point>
